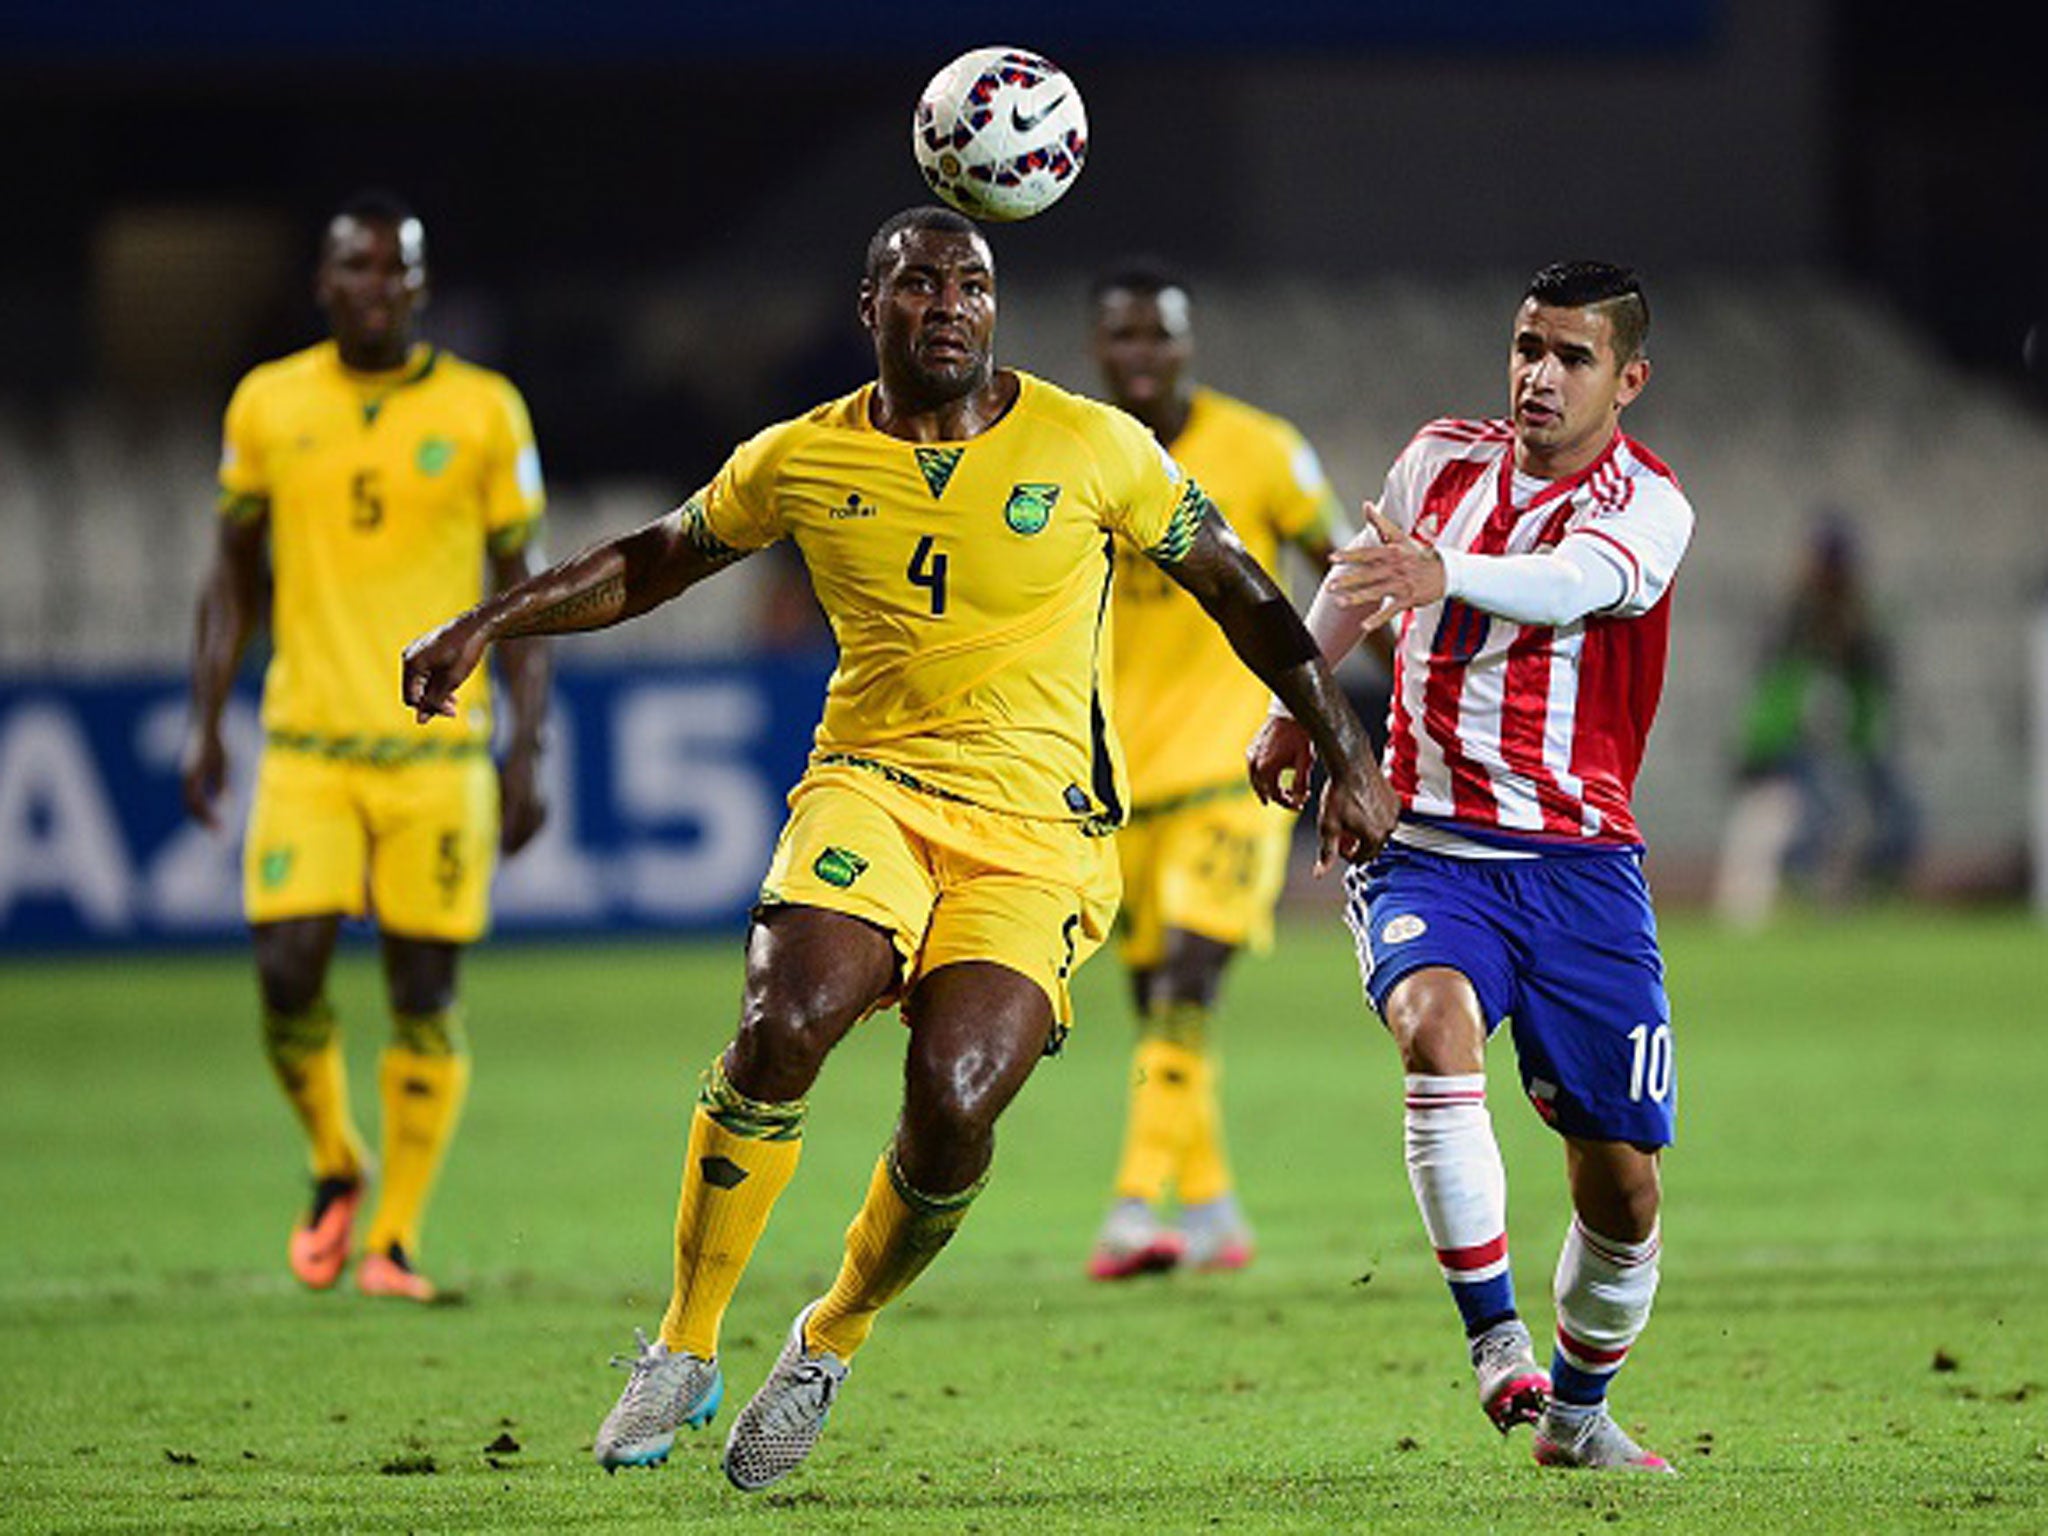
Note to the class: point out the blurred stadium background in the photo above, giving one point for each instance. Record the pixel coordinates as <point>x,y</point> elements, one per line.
<point>651,217</point>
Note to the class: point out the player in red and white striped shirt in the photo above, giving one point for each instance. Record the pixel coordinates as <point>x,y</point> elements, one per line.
<point>1526,565</point>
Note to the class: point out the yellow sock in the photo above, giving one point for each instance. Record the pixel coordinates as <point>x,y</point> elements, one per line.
<point>305,1053</point>
<point>897,1232</point>
<point>1161,1116</point>
<point>424,1076</point>
<point>1204,1169</point>
<point>742,1155</point>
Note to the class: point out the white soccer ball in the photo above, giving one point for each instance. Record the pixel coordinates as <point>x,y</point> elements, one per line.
<point>1000,133</point>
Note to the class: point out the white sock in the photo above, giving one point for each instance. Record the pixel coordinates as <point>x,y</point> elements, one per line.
<point>1461,1189</point>
<point>1603,1292</point>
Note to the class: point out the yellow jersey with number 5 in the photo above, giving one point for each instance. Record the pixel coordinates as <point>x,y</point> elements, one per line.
<point>1186,706</point>
<point>967,585</point>
<point>384,492</point>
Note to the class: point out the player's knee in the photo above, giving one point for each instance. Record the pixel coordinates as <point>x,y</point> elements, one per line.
<point>955,1097</point>
<point>289,976</point>
<point>791,1028</point>
<point>421,976</point>
<point>1637,1197</point>
<point>1619,1192</point>
<point>950,1111</point>
<point>1436,1039</point>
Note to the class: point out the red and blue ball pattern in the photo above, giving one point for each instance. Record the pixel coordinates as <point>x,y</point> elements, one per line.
<point>1000,133</point>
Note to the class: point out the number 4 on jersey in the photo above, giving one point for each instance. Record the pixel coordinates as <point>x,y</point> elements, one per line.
<point>928,570</point>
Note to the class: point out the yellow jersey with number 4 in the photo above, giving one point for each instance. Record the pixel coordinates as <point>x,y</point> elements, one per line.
<point>1186,706</point>
<point>384,493</point>
<point>967,585</point>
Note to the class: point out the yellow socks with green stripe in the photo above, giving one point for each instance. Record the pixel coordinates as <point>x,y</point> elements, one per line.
<point>1173,1135</point>
<point>304,1051</point>
<point>423,1076</point>
<point>898,1231</point>
<point>741,1157</point>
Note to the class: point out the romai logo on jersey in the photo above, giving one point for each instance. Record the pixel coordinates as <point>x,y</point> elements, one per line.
<point>853,506</point>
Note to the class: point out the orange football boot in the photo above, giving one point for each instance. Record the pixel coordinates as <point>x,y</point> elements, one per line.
<point>319,1246</point>
<point>390,1273</point>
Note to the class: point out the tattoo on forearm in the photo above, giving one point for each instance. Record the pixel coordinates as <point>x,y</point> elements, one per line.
<point>602,601</point>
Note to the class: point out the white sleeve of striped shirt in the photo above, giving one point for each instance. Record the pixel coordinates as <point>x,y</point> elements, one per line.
<point>1644,541</point>
<point>1335,629</point>
<point>1560,587</point>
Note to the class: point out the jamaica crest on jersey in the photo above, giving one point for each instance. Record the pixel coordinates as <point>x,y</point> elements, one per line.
<point>1030,506</point>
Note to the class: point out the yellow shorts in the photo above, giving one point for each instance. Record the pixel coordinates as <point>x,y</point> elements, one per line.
<point>1211,864</point>
<point>947,881</point>
<point>414,845</point>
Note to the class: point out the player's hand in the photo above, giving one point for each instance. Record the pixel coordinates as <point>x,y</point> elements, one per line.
<point>203,773</point>
<point>1279,760</point>
<point>522,808</point>
<point>436,664</point>
<point>1386,578</point>
<point>1356,818</point>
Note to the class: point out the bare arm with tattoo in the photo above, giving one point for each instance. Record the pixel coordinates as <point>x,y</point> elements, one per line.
<point>604,585</point>
<point>1358,809</point>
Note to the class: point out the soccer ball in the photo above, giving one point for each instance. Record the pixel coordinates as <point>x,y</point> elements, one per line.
<point>1000,133</point>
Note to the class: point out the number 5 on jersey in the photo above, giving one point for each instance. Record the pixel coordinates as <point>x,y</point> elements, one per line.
<point>366,499</point>
<point>928,570</point>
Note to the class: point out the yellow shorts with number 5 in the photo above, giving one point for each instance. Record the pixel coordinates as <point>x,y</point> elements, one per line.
<point>1211,864</point>
<point>947,881</point>
<point>412,845</point>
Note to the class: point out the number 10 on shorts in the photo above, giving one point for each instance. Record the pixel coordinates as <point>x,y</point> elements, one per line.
<point>1649,1073</point>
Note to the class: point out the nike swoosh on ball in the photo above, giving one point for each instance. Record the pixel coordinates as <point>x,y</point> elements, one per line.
<point>1025,124</point>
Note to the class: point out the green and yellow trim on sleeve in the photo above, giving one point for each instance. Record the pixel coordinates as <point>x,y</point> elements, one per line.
<point>514,538</point>
<point>696,526</point>
<point>242,507</point>
<point>1179,537</point>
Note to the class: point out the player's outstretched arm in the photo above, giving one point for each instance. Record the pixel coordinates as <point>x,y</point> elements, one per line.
<point>229,604</point>
<point>604,585</point>
<point>1390,572</point>
<point>1359,809</point>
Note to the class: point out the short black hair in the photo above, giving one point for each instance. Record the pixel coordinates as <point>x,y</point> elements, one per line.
<point>923,216</point>
<point>1598,285</point>
<point>1142,275</point>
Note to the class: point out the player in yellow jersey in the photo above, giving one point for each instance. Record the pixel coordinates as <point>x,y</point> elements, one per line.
<point>381,476</point>
<point>948,847</point>
<point>1203,860</point>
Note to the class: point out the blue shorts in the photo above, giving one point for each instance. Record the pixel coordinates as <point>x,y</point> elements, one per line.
<point>1565,945</point>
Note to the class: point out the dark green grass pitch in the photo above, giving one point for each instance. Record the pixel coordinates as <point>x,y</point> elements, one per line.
<point>1852,1335</point>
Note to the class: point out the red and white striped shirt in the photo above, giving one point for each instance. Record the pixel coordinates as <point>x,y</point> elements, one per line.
<point>1529,729</point>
